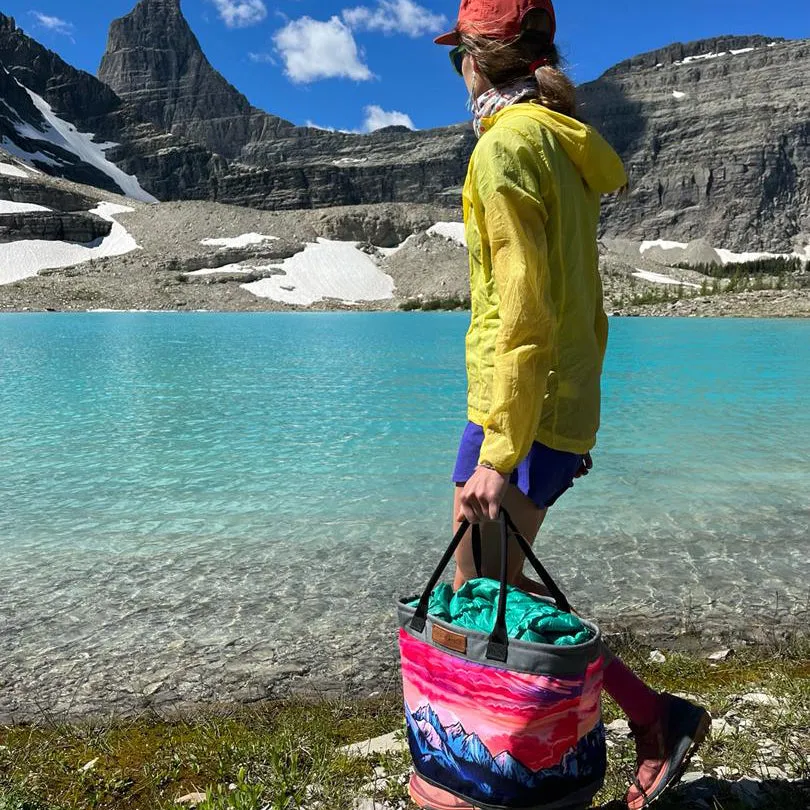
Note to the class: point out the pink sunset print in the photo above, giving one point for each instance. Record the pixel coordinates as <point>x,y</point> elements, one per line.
<point>536,719</point>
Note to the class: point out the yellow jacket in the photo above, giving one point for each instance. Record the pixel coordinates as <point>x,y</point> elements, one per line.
<point>538,331</point>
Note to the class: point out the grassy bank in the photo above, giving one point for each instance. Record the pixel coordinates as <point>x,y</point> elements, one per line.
<point>284,756</point>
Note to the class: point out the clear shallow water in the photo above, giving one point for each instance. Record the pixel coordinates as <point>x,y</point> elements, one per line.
<point>217,498</point>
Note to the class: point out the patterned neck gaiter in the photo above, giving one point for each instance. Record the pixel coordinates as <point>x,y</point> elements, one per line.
<point>495,99</point>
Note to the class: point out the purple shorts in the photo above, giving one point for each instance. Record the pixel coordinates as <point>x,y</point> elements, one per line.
<point>543,476</point>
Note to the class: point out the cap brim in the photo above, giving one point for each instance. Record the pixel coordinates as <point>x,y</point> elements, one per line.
<point>450,38</point>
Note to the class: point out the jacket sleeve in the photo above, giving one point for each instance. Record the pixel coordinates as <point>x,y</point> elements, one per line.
<point>510,192</point>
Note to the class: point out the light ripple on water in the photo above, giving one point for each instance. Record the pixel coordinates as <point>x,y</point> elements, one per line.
<point>213,497</point>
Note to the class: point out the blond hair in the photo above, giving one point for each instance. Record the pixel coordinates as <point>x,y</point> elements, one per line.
<point>504,62</point>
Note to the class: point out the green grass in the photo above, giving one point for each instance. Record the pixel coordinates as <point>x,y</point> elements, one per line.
<point>281,756</point>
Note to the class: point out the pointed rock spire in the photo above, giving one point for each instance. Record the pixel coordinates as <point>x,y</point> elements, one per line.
<point>154,62</point>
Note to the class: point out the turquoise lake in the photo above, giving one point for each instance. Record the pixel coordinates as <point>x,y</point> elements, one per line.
<point>239,488</point>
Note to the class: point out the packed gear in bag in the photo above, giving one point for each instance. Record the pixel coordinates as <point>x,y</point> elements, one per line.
<point>502,722</point>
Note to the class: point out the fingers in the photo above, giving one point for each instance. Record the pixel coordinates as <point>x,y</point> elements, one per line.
<point>481,498</point>
<point>470,509</point>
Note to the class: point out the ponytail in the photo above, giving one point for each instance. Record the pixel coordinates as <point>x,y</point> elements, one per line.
<point>531,52</point>
<point>556,91</point>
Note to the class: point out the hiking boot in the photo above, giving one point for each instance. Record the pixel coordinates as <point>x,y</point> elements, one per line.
<point>428,797</point>
<point>663,749</point>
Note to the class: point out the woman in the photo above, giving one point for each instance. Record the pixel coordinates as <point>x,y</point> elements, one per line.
<point>538,330</point>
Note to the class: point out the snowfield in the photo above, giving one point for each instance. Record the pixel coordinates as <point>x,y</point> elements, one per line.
<point>9,207</point>
<point>325,269</point>
<point>10,170</point>
<point>660,278</point>
<point>244,240</point>
<point>63,134</point>
<point>726,256</point>
<point>454,231</point>
<point>26,257</point>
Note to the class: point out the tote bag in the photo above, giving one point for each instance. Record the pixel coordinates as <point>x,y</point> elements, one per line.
<point>498,722</point>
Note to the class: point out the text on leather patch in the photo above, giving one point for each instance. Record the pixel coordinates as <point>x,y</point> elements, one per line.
<point>446,638</point>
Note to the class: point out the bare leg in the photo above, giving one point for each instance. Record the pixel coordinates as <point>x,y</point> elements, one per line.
<point>659,760</point>
<point>639,702</point>
<point>527,517</point>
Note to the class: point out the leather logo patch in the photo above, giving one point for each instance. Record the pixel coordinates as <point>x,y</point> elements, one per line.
<point>452,641</point>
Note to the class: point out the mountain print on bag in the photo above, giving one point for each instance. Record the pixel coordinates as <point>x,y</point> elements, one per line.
<point>459,761</point>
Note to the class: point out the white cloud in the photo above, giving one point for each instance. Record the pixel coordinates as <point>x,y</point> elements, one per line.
<point>261,58</point>
<point>241,13</point>
<point>377,118</point>
<point>395,17</point>
<point>313,49</point>
<point>55,24</point>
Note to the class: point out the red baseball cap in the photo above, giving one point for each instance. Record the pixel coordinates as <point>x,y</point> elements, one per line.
<point>499,19</point>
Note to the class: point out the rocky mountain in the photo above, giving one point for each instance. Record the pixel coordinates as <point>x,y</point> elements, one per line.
<point>715,134</point>
<point>156,65</point>
<point>716,137</point>
<point>167,166</point>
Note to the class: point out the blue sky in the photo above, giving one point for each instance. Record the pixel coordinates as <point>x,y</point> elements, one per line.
<point>357,64</point>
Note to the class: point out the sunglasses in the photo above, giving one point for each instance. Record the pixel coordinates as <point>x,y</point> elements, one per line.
<point>457,58</point>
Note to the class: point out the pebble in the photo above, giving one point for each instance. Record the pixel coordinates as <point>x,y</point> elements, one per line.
<point>365,803</point>
<point>88,766</point>
<point>657,657</point>
<point>388,743</point>
<point>725,773</point>
<point>770,772</point>
<point>759,699</point>
<point>191,799</point>
<point>720,655</point>
<point>620,728</point>
<point>693,776</point>
<point>722,728</point>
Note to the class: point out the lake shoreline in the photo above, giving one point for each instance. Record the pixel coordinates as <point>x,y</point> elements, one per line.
<point>377,674</point>
<point>343,751</point>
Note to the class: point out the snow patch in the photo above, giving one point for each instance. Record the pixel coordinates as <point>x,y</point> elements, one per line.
<point>228,268</point>
<point>63,134</point>
<point>325,269</point>
<point>239,241</point>
<point>661,243</point>
<point>702,57</point>
<point>348,161</point>
<point>730,257</point>
<point>9,207</point>
<point>660,278</point>
<point>28,157</point>
<point>726,256</point>
<point>10,170</point>
<point>678,95</point>
<point>26,257</point>
<point>454,231</point>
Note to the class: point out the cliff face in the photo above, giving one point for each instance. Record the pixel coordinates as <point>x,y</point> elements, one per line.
<point>156,65</point>
<point>167,166</point>
<point>716,138</point>
<point>715,134</point>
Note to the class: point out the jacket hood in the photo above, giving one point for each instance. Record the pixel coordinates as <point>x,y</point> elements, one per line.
<point>597,162</point>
